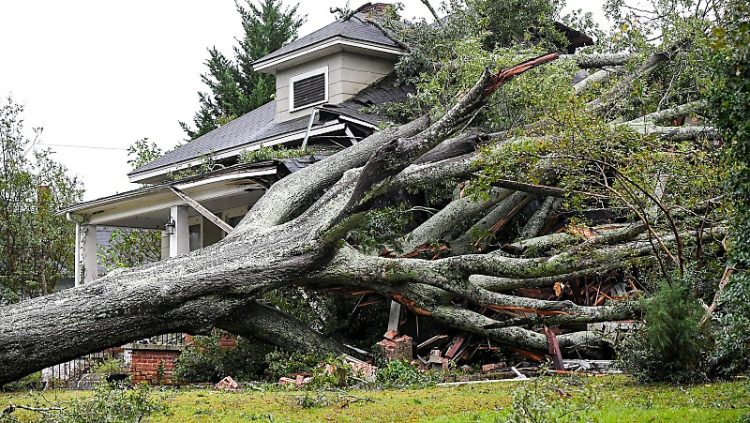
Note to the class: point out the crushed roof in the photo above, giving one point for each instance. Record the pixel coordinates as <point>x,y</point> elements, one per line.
<point>387,90</point>
<point>354,28</point>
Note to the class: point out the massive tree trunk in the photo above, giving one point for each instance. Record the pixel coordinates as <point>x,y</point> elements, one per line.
<point>294,237</point>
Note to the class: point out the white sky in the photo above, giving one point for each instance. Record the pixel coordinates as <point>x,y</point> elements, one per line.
<point>104,73</point>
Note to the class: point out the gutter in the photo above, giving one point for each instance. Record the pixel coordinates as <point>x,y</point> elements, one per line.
<point>140,176</point>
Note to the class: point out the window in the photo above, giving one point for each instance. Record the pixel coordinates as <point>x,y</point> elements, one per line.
<point>308,89</point>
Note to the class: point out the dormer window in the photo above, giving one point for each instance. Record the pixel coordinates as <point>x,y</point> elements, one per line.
<point>308,89</point>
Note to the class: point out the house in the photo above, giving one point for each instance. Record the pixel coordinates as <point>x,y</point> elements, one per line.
<point>323,82</point>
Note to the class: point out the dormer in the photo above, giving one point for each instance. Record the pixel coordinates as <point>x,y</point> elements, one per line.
<point>329,66</point>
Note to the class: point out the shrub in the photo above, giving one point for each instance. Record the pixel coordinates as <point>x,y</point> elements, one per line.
<point>206,361</point>
<point>284,364</point>
<point>401,374</point>
<point>113,404</point>
<point>671,346</point>
<point>30,382</point>
<point>108,367</point>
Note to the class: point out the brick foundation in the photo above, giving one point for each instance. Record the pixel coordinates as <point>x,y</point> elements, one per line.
<point>145,365</point>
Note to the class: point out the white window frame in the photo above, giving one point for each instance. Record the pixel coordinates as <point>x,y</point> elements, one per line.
<point>305,75</point>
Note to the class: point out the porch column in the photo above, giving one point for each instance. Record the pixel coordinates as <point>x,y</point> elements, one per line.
<point>179,241</point>
<point>77,264</point>
<point>88,253</point>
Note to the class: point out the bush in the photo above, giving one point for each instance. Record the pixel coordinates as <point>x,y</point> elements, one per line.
<point>401,374</point>
<point>30,382</point>
<point>206,361</point>
<point>281,364</point>
<point>108,367</point>
<point>671,346</point>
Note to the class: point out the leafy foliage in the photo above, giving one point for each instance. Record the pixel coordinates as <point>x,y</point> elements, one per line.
<point>130,248</point>
<point>269,153</point>
<point>521,21</point>
<point>133,247</point>
<point>142,152</point>
<point>109,367</point>
<point>283,364</point>
<point>36,243</point>
<point>729,97</point>
<point>401,374</point>
<point>547,399</point>
<point>381,229</point>
<point>672,346</point>
<point>109,403</point>
<point>207,361</point>
<point>235,88</point>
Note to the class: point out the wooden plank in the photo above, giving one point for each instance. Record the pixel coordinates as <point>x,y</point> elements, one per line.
<point>224,226</point>
<point>350,134</point>
<point>528,354</point>
<point>554,349</point>
<point>459,340</point>
<point>432,341</point>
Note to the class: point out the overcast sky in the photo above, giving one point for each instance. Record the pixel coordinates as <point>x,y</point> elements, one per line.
<point>98,75</point>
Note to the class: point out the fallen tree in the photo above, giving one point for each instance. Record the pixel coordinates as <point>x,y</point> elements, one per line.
<point>296,235</point>
<point>535,209</point>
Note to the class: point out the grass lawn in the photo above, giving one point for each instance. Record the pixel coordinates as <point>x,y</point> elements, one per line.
<point>605,399</point>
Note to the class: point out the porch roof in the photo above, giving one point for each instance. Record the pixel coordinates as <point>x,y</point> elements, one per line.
<point>148,207</point>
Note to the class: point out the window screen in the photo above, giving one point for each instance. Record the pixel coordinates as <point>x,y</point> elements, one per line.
<point>309,90</point>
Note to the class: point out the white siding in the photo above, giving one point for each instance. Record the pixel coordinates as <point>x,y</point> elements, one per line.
<point>348,74</point>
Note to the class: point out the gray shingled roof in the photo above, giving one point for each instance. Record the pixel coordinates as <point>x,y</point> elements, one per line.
<point>353,29</point>
<point>258,125</point>
<point>252,126</point>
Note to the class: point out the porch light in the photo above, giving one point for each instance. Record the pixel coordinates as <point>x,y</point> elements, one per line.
<point>169,227</point>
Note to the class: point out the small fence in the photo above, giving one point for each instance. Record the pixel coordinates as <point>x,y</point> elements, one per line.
<point>166,339</point>
<point>73,370</point>
<point>64,374</point>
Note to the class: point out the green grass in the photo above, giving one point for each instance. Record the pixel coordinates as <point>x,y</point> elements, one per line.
<point>605,399</point>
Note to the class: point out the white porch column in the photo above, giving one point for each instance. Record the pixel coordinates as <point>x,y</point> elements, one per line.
<point>179,241</point>
<point>77,265</point>
<point>88,252</point>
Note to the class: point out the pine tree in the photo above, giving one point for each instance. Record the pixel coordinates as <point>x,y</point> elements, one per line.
<point>234,88</point>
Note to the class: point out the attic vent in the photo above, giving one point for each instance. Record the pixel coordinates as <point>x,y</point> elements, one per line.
<point>309,89</point>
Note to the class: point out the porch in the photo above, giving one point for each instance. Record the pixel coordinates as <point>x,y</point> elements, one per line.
<point>191,213</point>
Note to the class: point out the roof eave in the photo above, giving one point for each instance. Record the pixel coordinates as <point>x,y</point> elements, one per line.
<point>252,170</point>
<point>141,177</point>
<point>277,63</point>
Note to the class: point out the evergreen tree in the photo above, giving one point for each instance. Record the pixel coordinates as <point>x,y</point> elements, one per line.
<point>235,88</point>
